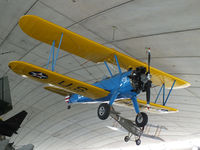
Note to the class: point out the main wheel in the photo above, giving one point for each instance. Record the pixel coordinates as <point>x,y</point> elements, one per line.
<point>126,138</point>
<point>141,119</point>
<point>103,111</point>
<point>138,142</point>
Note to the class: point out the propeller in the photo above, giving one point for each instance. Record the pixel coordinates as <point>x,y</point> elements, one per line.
<point>148,84</point>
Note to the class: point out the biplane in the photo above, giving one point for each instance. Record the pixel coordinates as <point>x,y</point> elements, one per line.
<point>125,125</point>
<point>122,88</point>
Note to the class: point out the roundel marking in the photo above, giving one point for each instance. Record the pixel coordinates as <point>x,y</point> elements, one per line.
<point>39,75</point>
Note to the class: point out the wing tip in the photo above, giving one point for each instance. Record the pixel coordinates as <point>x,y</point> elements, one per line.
<point>187,84</point>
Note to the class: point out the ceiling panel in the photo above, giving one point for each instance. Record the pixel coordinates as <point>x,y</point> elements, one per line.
<point>11,11</point>
<point>192,78</point>
<point>146,17</point>
<point>182,44</point>
<point>86,33</point>
<point>78,10</point>
<point>184,65</point>
<point>34,59</point>
<point>22,40</point>
<point>10,53</point>
<point>47,13</point>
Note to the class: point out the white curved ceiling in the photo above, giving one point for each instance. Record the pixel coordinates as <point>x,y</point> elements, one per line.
<point>172,30</point>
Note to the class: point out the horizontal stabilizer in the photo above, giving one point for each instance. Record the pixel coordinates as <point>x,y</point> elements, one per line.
<point>15,121</point>
<point>11,125</point>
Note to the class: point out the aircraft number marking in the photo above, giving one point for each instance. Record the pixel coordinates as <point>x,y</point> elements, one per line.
<point>77,89</point>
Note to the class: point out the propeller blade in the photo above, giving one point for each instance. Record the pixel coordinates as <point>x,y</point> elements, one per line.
<point>148,84</point>
<point>149,60</point>
<point>148,92</point>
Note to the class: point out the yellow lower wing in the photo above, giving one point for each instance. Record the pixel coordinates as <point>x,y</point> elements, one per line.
<point>56,79</point>
<point>57,90</point>
<point>154,108</point>
<point>47,32</point>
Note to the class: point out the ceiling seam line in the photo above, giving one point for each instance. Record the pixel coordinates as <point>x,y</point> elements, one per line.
<point>23,56</point>
<point>33,89</point>
<point>47,119</point>
<point>39,124</point>
<point>16,25</point>
<point>57,11</point>
<point>31,7</point>
<point>171,57</point>
<point>155,34</point>
<point>107,40</point>
<point>193,93</point>
<point>101,12</point>
<point>84,67</point>
<point>87,18</point>
<point>183,73</point>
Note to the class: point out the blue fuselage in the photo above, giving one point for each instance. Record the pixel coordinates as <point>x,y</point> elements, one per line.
<point>119,82</point>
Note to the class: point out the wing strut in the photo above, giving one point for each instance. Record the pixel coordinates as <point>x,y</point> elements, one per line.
<point>52,53</point>
<point>108,68</point>
<point>118,65</point>
<point>163,88</point>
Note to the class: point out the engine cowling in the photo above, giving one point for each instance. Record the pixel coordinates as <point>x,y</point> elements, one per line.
<point>139,79</point>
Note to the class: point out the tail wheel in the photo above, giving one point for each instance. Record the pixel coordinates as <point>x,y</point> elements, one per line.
<point>141,119</point>
<point>138,142</point>
<point>103,111</point>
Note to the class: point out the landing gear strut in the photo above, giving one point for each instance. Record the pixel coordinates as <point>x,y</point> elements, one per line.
<point>69,107</point>
<point>103,111</point>
<point>141,119</point>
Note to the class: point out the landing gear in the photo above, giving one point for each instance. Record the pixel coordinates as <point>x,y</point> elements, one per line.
<point>141,119</point>
<point>69,107</point>
<point>126,138</point>
<point>138,142</point>
<point>103,111</point>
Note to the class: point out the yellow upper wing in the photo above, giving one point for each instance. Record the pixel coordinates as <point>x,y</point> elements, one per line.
<point>56,79</point>
<point>46,32</point>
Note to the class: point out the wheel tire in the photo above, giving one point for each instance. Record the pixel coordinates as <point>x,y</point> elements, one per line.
<point>69,107</point>
<point>126,138</point>
<point>141,119</point>
<point>138,142</point>
<point>103,111</point>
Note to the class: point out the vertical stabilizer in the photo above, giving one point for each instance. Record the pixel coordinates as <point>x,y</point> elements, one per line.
<point>10,126</point>
<point>15,121</point>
